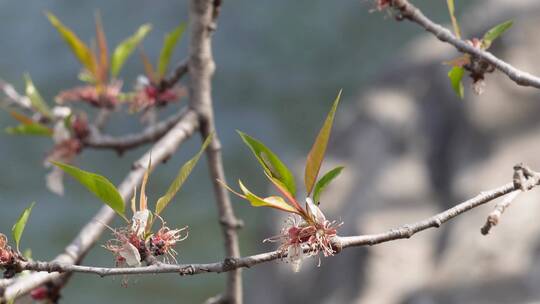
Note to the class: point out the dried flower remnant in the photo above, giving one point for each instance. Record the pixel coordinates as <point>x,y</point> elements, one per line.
<point>7,255</point>
<point>300,238</point>
<point>383,4</point>
<point>149,94</point>
<point>162,243</point>
<point>106,97</point>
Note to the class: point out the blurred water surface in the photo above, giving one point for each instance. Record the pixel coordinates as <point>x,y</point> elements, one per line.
<point>279,65</point>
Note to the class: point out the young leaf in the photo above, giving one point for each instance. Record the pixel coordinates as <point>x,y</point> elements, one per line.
<point>148,68</point>
<point>455,75</point>
<point>29,129</point>
<point>79,48</point>
<point>271,164</point>
<point>103,53</point>
<point>143,199</point>
<point>35,98</point>
<point>25,120</point>
<point>316,155</point>
<point>494,33</point>
<point>455,25</point>
<point>324,181</point>
<point>170,41</point>
<point>18,228</point>
<point>183,174</point>
<point>126,47</point>
<point>271,201</point>
<point>100,186</point>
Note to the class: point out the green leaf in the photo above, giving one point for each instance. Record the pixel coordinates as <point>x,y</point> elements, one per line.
<point>324,181</point>
<point>79,48</point>
<point>316,155</point>
<point>100,186</point>
<point>170,41</point>
<point>271,201</point>
<point>35,98</point>
<point>18,228</point>
<point>455,75</point>
<point>455,25</point>
<point>271,164</point>
<point>30,129</point>
<point>494,33</point>
<point>126,47</point>
<point>183,174</point>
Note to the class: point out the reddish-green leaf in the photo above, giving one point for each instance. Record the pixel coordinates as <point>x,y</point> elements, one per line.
<point>324,181</point>
<point>494,33</point>
<point>18,229</point>
<point>455,25</point>
<point>98,185</point>
<point>271,164</point>
<point>455,75</point>
<point>316,155</point>
<point>183,174</point>
<point>126,47</point>
<point>79,48</point>
<point>148,68</point>
<point>169,43</point>
<point>271,201</point>
<point>103,59</point>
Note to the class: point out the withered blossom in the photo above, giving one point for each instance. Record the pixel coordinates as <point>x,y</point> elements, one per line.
<point>107,96</point>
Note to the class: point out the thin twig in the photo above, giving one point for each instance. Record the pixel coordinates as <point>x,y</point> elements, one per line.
<point>202,18</point>
<point>495,216</point>
<point>410,12</point>
<point>179,71</point>
<point>125,142</point>
<point>339,243</point>
<point>90,233</point>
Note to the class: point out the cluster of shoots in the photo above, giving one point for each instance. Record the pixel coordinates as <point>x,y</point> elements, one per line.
<point>476,67</point>
<point>307,231</point>
<point>101,86</point>
<point>137,241</point>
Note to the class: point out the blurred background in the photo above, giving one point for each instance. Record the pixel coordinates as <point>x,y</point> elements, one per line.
<point>411,148</point>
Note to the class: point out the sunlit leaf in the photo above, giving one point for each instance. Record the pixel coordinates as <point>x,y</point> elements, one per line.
<point>35,98</point>
<point>35,128</point>
<point>324,181</point>
<point>126,47</point>
<point>316,155</point>
<point>455,25</point>
<point>100,186</point>
<point>271,201</point>
<point>19,226</point>
<point>183,174</point>
<point>169,43</point>
<point>455,75</point>
<point>79,48</point>
<point>271,164</point>
<point>103,54</point>
<point>494,33</point>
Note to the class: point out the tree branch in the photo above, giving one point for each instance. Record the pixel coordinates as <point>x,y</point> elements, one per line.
<point>339,243</point>
<point>90,233</point>
<point>410,12</point>
<point>202,18</point>
<point>125,142</point>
